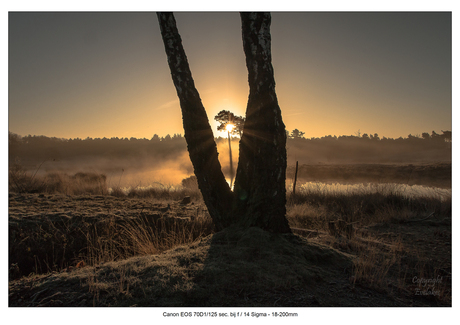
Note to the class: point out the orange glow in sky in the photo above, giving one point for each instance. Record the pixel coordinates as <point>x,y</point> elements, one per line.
<point>106,74</point>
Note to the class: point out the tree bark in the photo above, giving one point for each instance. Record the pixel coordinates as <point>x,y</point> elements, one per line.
<point>260,183</point>
<point>197,131</point>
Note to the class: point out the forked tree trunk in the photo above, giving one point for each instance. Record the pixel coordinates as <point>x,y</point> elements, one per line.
<point>259,197</point>
<point>197,131</point>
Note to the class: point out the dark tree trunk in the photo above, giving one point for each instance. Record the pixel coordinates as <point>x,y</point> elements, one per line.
<point>260,184</point>
<point>197,131</point>
<point>259,197</point>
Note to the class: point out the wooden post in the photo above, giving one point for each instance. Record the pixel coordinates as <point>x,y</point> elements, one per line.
<point>295,177</point>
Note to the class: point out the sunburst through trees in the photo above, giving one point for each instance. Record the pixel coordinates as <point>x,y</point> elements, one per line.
<point>233,125</point>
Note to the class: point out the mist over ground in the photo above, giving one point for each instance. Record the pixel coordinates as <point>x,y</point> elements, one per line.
<point>143,162</point>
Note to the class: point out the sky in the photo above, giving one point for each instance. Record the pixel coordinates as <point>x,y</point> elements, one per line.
<point>105,74</point>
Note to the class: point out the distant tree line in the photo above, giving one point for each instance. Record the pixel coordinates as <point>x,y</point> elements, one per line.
<point>370,148</point>
<point>446,136</point>
<point>36,148</point>
<point>359,148</point>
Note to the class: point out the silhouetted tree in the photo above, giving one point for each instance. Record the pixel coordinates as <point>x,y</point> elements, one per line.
<point>13,138</point>
<point>259,197</point>
<point>447,136</point>
<point>296,134</point>
<point>226,117</point>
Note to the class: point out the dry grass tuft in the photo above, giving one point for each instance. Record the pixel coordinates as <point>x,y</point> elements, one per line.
<point>55,241</point>
<point>118,240</point>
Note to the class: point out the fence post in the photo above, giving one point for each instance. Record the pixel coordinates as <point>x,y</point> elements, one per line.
<point>295,177</point>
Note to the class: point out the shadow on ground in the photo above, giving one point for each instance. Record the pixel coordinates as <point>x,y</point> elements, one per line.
<point>235,267</point>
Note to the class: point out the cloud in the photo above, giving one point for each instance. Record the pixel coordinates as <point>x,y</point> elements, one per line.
<point>293,114</point>
<point>168,104</point>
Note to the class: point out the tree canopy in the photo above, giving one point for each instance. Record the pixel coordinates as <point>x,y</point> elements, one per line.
<point>225,118</point>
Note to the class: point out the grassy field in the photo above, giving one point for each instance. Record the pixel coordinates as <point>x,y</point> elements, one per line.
<point>75,242</point>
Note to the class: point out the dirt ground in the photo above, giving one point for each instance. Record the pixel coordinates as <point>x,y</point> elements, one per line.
<point>234,267</point>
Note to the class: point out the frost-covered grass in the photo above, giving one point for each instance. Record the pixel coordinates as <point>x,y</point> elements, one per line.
<point>403,190</point>
<point>157,191</point>
<point>364,203</point>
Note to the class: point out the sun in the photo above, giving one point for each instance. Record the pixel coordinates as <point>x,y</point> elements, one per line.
<point>230,127</point>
